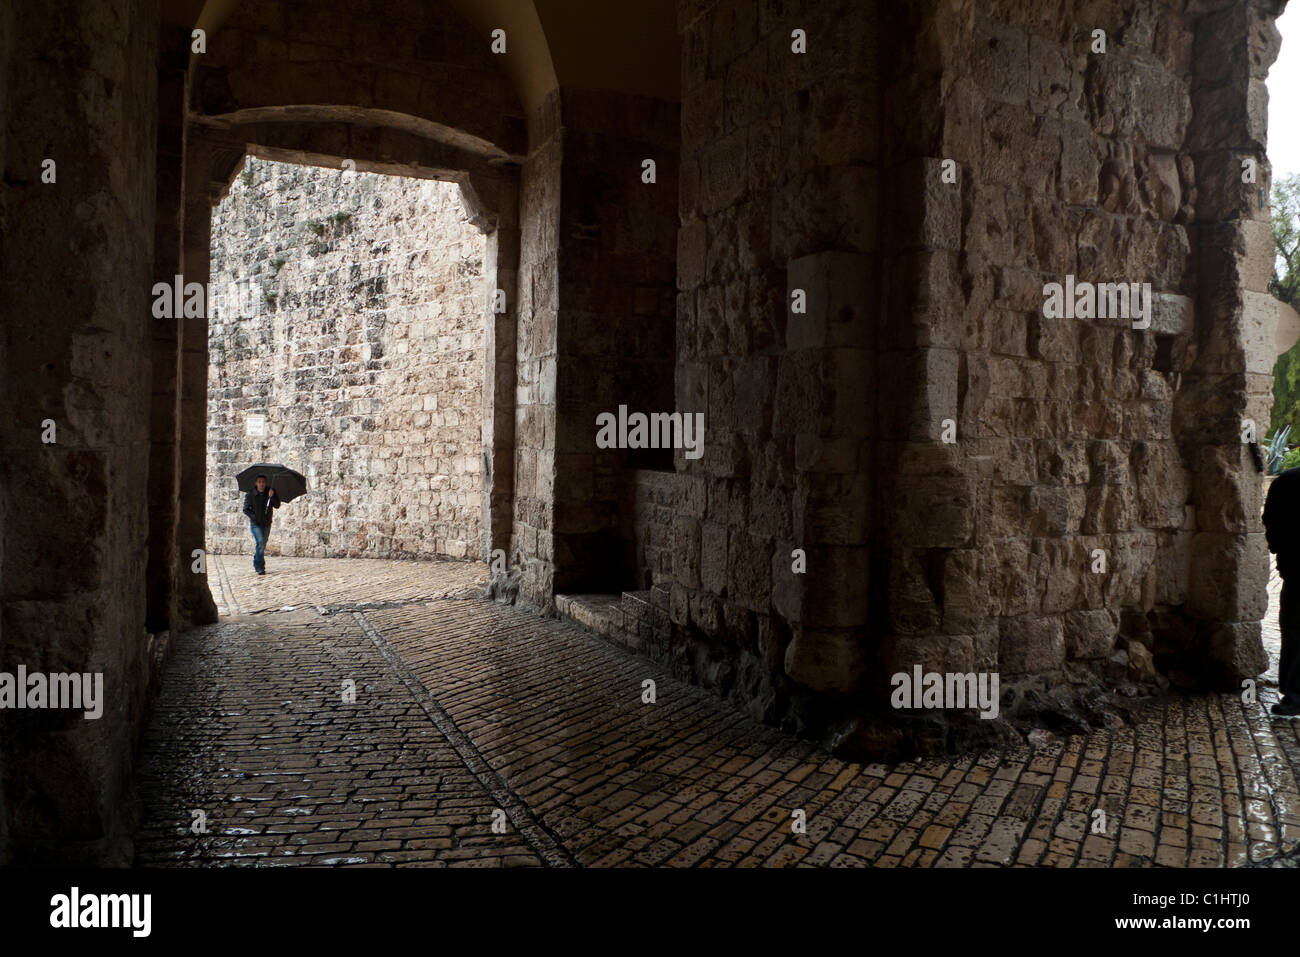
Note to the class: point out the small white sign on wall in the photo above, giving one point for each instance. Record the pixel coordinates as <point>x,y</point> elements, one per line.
<point>256,424</point>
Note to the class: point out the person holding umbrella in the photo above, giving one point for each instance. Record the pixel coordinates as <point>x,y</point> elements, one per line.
<point>261,497</point>
<point>258,505</point>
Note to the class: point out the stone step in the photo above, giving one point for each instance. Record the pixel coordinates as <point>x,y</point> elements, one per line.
<point>601,613</point>
<point>626,619</point>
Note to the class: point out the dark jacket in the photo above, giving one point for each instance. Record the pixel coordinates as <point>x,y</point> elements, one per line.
<point>1282,522</point>
<point>255,506</point>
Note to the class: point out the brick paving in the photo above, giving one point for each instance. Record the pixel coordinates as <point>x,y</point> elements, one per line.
<point>485,735</point>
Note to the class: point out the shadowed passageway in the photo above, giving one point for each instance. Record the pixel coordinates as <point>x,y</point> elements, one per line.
<point>464,706</point>
<point>794,345</point>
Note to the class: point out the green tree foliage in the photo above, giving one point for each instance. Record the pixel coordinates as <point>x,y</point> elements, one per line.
<point>1285,285</point>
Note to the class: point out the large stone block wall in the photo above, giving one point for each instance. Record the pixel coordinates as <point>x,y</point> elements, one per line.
<point>779,193</point>
<point>75,277</point>
<point>500,345</point>
<point>1077,437</point>
<point>1073,437</point>
<point>594,331</point>
<point>817,173</point>
<point>164,565</point>
<point>364,351</point>
<point>1229,369</point>
<point>653,505</point>
<point>1068,163</point>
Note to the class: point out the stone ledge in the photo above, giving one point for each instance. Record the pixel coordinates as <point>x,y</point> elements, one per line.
<point>630,619</point>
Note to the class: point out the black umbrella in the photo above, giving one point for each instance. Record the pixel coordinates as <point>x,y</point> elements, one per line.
<point>287,483</point>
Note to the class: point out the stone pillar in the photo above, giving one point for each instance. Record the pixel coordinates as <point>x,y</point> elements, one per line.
<point>534,450</point>
<point>501,265</point>
<point>779,282</point>
<point>75,278</point>
<point>929,490</point>
<point>164,467</point>
<point>194,603</point>
<point>1230,380</point>
<point>828,368</point>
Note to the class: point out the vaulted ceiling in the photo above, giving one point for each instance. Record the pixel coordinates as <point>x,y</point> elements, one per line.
<point>629,46</point>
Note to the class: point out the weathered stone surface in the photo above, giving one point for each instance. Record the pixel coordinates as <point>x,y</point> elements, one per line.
<point>1031,644</point>
<point>1131,99</point>
<point>940,509</point>
<point>1228,576</point>
<point>966,602</point>
<point>1259,331</point>
<point>615,340</point>
<point>72,575</point>
<point>828,660</point>
<point>942,653</point>
<point>1171,315</point>
<point>1237,647</point>
<point>1141,665</point>
<point>1257,265</point>
<point>535,439</point>
<point>1090,633</point>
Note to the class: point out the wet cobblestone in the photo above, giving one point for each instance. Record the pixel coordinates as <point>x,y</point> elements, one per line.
<point>465,707</point>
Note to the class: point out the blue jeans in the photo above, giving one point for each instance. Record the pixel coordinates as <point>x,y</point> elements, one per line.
<point>259,544</point>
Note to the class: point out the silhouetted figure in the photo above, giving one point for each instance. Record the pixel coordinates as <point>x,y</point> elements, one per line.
<point>1282,532</point>
<point>258,503</point>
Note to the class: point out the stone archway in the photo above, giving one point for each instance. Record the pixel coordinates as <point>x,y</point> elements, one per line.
<point>490,196</point>
<point>258,91</point>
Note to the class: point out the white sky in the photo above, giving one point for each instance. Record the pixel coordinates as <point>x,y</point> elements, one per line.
<point>1283,96</point>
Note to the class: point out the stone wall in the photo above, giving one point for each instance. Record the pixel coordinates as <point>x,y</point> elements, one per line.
<point>1096,519</point>
<point>75,276</point>
<point>1215,635</point>
<point>779,192</point>
<point>419,59</point>
<point>817,174</point>
<point>364,351</point>
<point>164,565</point>
<point>598,240</point>
<point>652,522</point>
<point>951,459</point>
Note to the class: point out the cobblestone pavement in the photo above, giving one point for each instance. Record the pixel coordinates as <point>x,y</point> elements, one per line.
<point>472,718</point>
<point>1273,637</point>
